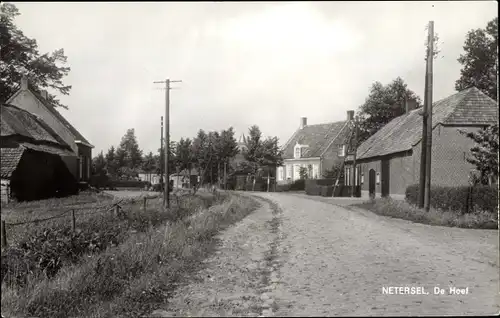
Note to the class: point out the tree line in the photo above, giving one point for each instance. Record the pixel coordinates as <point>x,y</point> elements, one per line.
<point>210,153</point>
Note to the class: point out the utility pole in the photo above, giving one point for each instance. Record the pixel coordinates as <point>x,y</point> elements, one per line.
<point>166,199</point>
<point>428,152</point>
<point>425,112</point>
<point>225,176</point>
<point>354,174</point>
<point>161,157</point>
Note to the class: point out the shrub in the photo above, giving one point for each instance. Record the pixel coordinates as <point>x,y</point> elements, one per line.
<point>283,187</point>
<point>129,184</point>
<point>326,191</point>
<point>464,199</point>
<point>298,185</point>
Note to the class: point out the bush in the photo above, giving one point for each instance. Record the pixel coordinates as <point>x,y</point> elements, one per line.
<point>326,191</point>
<point>298,185</point>
<point>283,187</point>
<point>313,189</point>
<point>464,199</point>
<point>129,184</point>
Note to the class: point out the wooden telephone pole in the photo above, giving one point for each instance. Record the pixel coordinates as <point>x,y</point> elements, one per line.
<point>161,157</point>
<point>428,152</point>
<point>354,168</point>
<point>425,157</point>
<point>166,198</point>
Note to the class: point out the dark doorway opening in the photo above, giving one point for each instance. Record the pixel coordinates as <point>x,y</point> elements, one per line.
<point>371,183</point>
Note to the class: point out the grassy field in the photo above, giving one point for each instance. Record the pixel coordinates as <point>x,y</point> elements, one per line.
<point>111,266</point>
<point>406,211</point>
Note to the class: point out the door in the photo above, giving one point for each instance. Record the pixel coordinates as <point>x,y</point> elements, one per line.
<point>385,167</point>
<point>371,183</point>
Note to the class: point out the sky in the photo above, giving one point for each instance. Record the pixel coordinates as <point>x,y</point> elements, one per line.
<point>241,63</point>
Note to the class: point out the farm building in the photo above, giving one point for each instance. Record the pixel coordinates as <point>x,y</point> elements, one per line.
<point>31,158</point>
<point>185,178</point>
<point>389,161</point>
<point>27,98</point>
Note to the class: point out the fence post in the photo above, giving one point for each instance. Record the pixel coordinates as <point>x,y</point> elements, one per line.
<point>4,234</point>
<point>73,220</point>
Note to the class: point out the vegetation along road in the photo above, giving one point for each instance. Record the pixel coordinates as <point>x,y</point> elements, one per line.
<point>299,257</point>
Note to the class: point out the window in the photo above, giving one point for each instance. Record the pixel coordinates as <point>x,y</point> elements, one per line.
<point>378,178</point>
<point>297,151</point>
<point>280,173</point>
<point>341,152</point>
<point>362,178</point>
<point>289,171</point>
<point>347,176</point>
<point>356,176</point>
<point>296,172</point>
<point>315,171</point>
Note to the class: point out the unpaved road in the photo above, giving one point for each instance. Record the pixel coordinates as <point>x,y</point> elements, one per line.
<point>301,257</point>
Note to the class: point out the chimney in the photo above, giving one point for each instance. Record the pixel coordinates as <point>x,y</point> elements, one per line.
<point>44,94</point>
<point>24,83</point>
<point>303,122</point>
<point>410,105</point>
<point>350,115</point>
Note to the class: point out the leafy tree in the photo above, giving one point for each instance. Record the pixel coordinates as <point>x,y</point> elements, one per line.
<point>111,164</point>
<point>485,153</point>
<point>20,56</point>
<point>479,60</point>
<point>383,104</point>
<point>303,173</point>
<point>99,164</point>
<point>129,154</point>
<point>148,164</point>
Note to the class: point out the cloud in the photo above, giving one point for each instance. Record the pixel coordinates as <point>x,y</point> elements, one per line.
<point>241,63</point>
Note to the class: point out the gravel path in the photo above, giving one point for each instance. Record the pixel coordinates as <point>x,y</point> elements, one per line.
<point>301,257</point>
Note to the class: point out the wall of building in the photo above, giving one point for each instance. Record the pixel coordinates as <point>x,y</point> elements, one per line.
<point>331,156</point>
<point>449,166</point>
<point>27,101</point>
<point>449,152</point>
<point>364,170</point>
<point>85,155</point>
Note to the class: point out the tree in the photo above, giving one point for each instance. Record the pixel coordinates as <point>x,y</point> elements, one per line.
<point>479,60</point>
<point>20,56</point>
<point>99,164</point>
<point>303,173</point>
<point>148,164</point>
<point>111,164</point>
<point>485,153</point>
<point>383,104</point>
<point>128,153</point>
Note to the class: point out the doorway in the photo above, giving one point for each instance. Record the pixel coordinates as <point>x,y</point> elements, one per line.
<point>371,183</point>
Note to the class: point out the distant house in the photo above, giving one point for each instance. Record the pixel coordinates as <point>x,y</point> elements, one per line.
<point>150,177</point>
<point>389,161</point>
<point>315,147</point>
<point>30,100</point>
<point>185,178</point>
<point>31,158</point>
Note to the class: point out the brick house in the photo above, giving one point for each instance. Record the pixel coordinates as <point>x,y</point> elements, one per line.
<point>31,164</point>
<point>315,147</point>
<point>389,161</point>
<point>30,100</point>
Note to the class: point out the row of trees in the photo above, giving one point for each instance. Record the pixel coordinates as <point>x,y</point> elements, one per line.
<point>210,153</point>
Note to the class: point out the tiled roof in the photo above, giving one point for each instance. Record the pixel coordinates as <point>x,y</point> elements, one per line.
<point>53,110</point>
<point>316,137</point>
<point>16,121</point>
<point>468,107</point>
<point>9,158</point>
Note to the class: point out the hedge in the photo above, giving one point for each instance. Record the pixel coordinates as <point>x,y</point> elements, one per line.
<point>324,187</point>
<point>283,187</point>
<point>464,199</point>
<point>130,184</point>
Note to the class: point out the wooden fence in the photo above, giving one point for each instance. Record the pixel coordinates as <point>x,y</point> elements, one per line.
<point>115,208</point>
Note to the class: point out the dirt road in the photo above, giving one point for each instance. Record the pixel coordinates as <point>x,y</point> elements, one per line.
<point>300,257</point>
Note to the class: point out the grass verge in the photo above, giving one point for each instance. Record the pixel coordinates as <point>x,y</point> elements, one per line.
<point>406,211</point>
<point>135,276</point>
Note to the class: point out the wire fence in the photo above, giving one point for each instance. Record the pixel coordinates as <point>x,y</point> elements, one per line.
<point>116,207</point>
